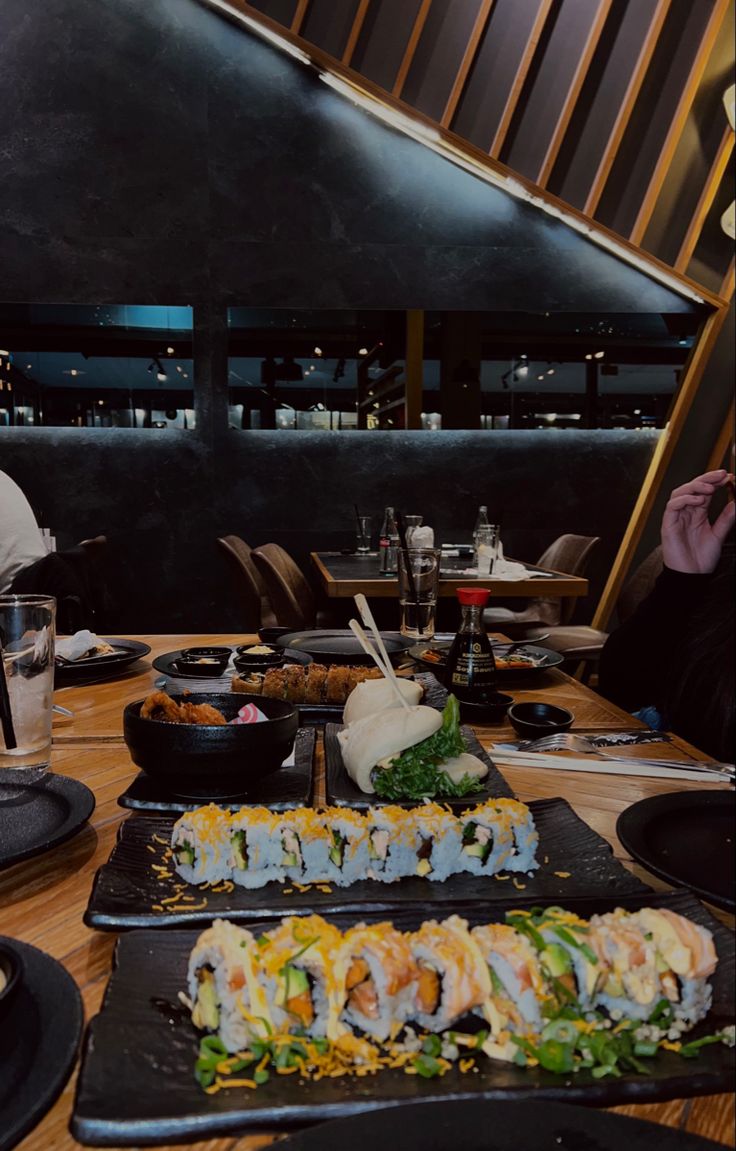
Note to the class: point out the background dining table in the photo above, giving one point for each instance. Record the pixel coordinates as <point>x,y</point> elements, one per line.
<point>342,576</point>
<point>43,899</point>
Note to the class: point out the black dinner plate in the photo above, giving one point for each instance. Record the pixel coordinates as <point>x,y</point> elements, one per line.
<point>686,838</point>
<point>137,1082</point>
<point>494,1125</point>
<point>281,790</point>
<point>544,658</point>
<point>41,1033</point>
<point>342,646</point>
<point>127,651</point>
<point>167,664</point>
<point>574,862</point>
<point>36,817</point>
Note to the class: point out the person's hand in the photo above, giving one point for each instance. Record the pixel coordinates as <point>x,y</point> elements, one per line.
<point>690,542</point>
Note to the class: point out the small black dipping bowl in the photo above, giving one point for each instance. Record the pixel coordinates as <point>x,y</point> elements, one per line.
<point>200,761</point>
<point>492,710</point>
<point>193,665</point>
<point>262,660</point>
<point>12,968</point>
<point>271,634</point>
<point>533,720</point>
<point>204,652</point>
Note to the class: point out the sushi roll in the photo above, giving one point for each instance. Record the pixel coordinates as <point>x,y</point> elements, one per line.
<point>378,975</point>
<point>225,994</point>
<point>393,843</point>
<point>348,860</point>
<point>686,956</point>
<point>439,842</point>
<point>519,820</point>
<point>302,843</point>
<point>255,853</point>
<point>571,962</point>
<point>517,984</point>
<point>452,978</point>
<point>487,839</point>
<point>200,845</point>
<point>314,685</point>
<point>296,961</point>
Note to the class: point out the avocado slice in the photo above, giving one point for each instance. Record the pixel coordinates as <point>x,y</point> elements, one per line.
<point>240,857</point>
<point>480,850</point>
<point>288,859</point>
<point>337,851</point>
<point>207,1012</point>
<point>556,960</point>
<point>184,853</point>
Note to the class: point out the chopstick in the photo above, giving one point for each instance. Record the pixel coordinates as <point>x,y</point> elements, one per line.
<point>369,650</point>
<point>603,766</point>
<point>367,617</point>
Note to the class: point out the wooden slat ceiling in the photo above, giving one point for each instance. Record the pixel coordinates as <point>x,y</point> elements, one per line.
<point>613,106</point>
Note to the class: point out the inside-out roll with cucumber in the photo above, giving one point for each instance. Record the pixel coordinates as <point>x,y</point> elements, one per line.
<point>296,960</point>
<point>376,970</point>
<point>255,853</point>
<point>200,845</point>
<point>226,990</point>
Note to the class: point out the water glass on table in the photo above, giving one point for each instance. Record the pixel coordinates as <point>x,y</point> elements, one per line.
<point>419,575</point>
<point>363,535</point>
<point>486,548</point>
<point>27,632</point>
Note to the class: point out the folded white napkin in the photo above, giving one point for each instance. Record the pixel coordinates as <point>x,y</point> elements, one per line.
<point>422,537</point>
<point>508,570</point>
<point>73,647</point>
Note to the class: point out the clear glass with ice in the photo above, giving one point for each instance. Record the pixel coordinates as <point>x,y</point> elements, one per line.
<point>27,637</point>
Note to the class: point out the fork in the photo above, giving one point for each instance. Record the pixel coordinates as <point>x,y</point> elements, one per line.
<point>568,741</point>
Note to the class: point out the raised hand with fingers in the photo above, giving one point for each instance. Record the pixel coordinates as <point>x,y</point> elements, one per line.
<point>690,542</point>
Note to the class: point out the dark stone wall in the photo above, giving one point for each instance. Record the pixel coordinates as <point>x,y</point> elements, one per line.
<point>154,153</point>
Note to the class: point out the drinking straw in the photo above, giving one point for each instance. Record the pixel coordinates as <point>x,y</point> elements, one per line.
<point>6,716</point>
<point>409,572</point>
<point>361,533</point>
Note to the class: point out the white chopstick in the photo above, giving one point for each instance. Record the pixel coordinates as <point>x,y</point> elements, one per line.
<point>371,651</point>
<point>601,766</point>
<point>367,617</point>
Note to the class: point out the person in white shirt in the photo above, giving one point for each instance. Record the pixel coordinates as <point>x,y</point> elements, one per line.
<point>21,542</point>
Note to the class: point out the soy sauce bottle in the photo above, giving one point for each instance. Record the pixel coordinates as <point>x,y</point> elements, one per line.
<point>470,671</point>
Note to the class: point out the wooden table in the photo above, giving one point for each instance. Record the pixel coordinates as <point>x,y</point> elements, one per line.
<point>342,576</point>
<point>42,900</point>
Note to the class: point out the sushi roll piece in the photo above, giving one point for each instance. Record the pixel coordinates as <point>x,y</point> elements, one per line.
<point>200,843</point>
<point>453,977</point>
<point>630,986</point>
<point>392,843</point>
<point>487,839</point>
<point>314,686</point>
<point>348,860</point>
<point>255,853</point>
<point>225,994</point>
<point>296,965</point>
<point>518,987</point>
<point>439,845</point>
<point>378,976</point>
<point>525,837</point>
<point>686,956</point>
<point>570,960</point>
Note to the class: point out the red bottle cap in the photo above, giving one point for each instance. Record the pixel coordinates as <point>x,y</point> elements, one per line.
<point>477,596</point>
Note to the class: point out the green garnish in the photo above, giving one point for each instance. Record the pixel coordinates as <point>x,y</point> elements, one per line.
<point>428,1067</point>
<point>417,773</point>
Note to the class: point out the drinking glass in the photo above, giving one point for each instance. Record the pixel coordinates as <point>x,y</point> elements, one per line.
<point>486,548</point>
<point>27,633</point>
<point>418,591</point>
<point>363,535</point>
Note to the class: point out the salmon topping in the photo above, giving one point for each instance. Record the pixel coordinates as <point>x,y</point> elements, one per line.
<point>357,972</point>
<point>364,999</point>
<point>237,979</point>
<point>301,1006</point>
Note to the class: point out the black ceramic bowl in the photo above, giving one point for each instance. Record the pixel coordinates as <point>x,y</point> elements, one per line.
<point>204,652</point>
<point>11,969</point>
<point>491,710</point>
<point>259,659</point>
<point>271,634</point>
<point>533,720</point>
<point>202,665</point>
<point>212,762</point>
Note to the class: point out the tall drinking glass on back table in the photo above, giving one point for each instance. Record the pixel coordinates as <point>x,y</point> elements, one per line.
<point>27,636</point>
<point>418,591</point>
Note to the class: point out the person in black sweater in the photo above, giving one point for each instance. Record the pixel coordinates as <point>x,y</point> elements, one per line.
<point>676,652</point>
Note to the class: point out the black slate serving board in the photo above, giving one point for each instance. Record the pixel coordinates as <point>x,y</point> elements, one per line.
<point>127,887</point>
<point>137,1080</point>
<point>290,787</point>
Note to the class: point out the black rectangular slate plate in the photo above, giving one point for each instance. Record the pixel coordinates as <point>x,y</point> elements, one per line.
<point>127,886</point>
<point>282,790</point>
<point>342,792</point>
<point>137,1081</point>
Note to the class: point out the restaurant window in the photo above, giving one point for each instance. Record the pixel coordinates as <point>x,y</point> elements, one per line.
<point>292,370</point>
<point>101,366</point>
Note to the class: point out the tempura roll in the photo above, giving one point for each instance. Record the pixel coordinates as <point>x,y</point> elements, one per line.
<point>296,962</point>
<point>378,973</point>
<point>452,977</point>
<point>200,845</point>
<point>224,990</point>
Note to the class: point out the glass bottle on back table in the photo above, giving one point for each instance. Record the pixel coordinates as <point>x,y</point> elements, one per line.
<point>388,544</point>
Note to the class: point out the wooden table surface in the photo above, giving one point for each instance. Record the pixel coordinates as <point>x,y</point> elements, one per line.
<point>42,900</point>
<point>342,576</point>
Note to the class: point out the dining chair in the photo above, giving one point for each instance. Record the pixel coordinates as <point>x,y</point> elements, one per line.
<point>583,644</point>
<point>570,554</point>
<point>254,600</point>
<point>288,589</point>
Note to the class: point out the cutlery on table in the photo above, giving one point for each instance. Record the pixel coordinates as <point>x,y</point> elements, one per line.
<point>568,741</point>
